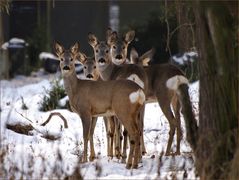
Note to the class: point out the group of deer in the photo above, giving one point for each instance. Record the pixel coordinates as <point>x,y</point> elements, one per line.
<point>118,90</point>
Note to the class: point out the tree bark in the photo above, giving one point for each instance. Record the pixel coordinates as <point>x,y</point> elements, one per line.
<point>185,34</point>
<point>218,67</point>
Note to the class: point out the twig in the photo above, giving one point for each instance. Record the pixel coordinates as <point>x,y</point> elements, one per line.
<point>168,29</point>
<point>178,27</point>
<point>55,114</point>
<point>24,116</point>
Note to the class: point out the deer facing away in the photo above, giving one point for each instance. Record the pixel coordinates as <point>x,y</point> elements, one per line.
<point>89,99</point>
<point>164,80</point>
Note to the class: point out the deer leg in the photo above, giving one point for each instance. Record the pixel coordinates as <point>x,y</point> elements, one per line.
<point>86,123</point>
<point>107,134</point>
<point>141,116</point>
<point>176,108</point>
<point>124,155</point>
<point>137,152</point>
<point>117,138</point>
<point>166,109</point>
<point>110,128</point>
<point>132,138</point>
<point>92,128</point>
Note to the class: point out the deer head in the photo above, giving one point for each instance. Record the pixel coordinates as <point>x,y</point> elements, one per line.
<point>101,51</point>
<point>119,46</point>
<point>89,65</point>
<point>67,58</point>
<point>142,60</point>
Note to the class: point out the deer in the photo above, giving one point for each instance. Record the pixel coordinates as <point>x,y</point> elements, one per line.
<point>162,78</point>
<point>110,71</point>
<point>157,91</point>
<point>90,72</point>
<point>121,98</point>
<point>119,46</point>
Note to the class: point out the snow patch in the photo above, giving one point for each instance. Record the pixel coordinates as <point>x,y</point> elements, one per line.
<point>46,55</point>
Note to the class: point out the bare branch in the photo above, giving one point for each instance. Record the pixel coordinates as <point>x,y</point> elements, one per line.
<point>55,114</point>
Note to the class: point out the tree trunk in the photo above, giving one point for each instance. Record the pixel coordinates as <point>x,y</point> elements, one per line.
<point>185,34</point>
<point>218,66</point>
<point>4,60</point>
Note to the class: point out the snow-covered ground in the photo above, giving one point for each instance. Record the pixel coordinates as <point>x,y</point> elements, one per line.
<point>35,157</point>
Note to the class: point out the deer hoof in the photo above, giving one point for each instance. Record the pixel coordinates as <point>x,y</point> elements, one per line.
<point>128,166</point>
<point>83,160</point>
<point>91,158</point>
<point>123,161</point>
<point>168,154</point>
<point>143,153</point>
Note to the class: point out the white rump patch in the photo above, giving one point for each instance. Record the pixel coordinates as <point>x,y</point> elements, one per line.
<point>174,82</point>
<point>137,96</point>
<point>137,80</point>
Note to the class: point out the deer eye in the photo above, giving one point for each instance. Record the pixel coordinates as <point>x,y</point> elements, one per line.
<point>123,47</point>
<point>94,67</point>
<point>71,59</point>
<point>84,67</point>
<point>62,59</point>
<point>114,47</point>
<point>107,51</point>
<point>96,50</point>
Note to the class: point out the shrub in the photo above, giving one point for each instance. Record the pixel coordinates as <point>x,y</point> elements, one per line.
<point>50,100</point>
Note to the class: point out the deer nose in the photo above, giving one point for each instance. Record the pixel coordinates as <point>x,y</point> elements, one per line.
<point>101,60</point>
<point>118,57</point>
<point>66,68</point>
<point>89,76</point>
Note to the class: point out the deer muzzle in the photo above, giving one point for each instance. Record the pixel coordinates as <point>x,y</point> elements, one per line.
<point>89,76</point>
<point>66,68</point>
<point>119,57</point>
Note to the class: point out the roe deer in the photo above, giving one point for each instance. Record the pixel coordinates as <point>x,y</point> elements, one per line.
<point>164,80</point>
<point>88,99</point>
<point>90,72</point>
<point>119,47</point>
<point>110,71</point>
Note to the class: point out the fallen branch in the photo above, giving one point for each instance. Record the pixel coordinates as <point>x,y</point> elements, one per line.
<point>55,114</point>
<point>21,129</point>
<point>25,129</point>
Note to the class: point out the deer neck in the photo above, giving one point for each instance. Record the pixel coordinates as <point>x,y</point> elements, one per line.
<point>70,83</point>
<point>106,73</point>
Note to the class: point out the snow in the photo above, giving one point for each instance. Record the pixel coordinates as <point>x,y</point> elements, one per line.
<point>36,157</point>
<point>182,59</point>
<point>5,45</point>
<point>14,43</point>
<point>47,55</point>
<point>16,40</point>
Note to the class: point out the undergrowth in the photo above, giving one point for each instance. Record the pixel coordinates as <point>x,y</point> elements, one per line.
<point>51,99</point>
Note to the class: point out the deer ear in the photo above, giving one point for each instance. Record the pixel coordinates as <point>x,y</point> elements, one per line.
<point>134,56</point>
<point>108,33</point>
<point>112,38</point>
<point>75,48</point>
<point>92,40</point>
<point>129,36</point>
<point>59,49</point>
<point>82,58</point>
<point>147,57</point>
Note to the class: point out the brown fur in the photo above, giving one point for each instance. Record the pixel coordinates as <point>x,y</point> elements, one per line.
<point>96,98</point>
